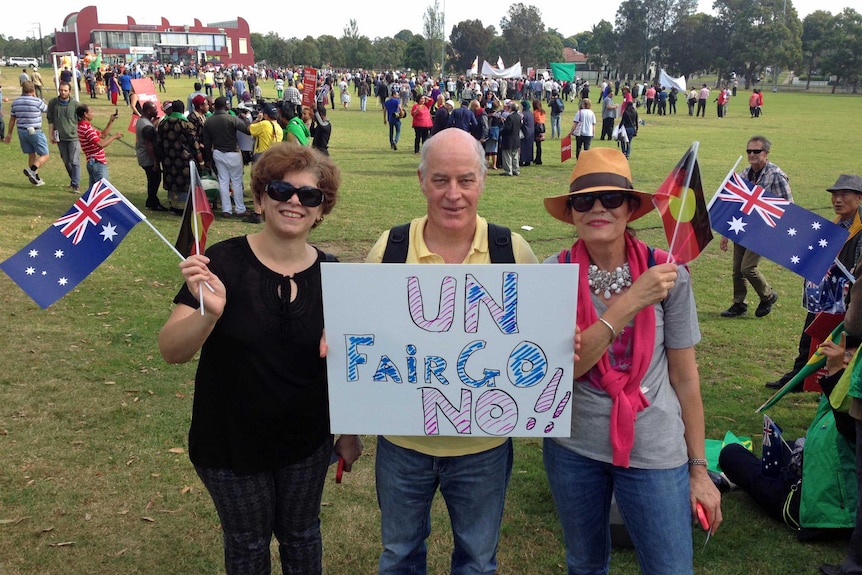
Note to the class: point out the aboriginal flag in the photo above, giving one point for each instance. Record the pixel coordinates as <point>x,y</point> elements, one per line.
<point>197,217</point>
<point>683,211</point>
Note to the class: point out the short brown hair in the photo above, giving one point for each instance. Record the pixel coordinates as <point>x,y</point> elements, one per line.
<point>287,157</point>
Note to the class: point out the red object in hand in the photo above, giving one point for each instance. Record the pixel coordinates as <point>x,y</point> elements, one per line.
<point>339,471</point>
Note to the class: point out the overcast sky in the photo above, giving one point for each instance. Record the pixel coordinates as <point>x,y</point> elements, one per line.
<point>373,17</point>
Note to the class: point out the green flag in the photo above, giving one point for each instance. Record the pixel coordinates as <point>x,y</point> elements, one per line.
<point>563,71</point>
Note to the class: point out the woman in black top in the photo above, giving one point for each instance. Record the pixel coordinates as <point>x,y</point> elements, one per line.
<point>259,438</point>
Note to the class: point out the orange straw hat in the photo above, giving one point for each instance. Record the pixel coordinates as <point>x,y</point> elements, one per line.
<point>599,170</point>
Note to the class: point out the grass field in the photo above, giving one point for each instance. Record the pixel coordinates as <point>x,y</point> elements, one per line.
<point>95,478</point>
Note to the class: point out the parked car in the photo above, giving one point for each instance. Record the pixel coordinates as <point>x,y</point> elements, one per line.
<point>2,61</point>
<point>16,61</point>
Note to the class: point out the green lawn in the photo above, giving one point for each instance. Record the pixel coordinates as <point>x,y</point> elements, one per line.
<point>95,477</point>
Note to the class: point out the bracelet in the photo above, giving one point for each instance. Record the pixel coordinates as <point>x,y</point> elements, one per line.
<point>610,327</point>
<point>696,461</point>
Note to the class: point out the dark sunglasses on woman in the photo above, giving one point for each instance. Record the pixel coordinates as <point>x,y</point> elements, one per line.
<point>584,202</point>
<point>282,191</point>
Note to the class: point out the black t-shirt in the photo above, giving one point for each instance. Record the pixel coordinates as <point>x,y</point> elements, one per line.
<point>260,390</point>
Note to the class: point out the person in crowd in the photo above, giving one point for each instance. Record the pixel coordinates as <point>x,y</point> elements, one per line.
<point>539,116</point>
<point>36,77</point>
<point>852,563</point>
<point>190,104</point>
<point>628,127</point>
<point>482,127</point>
<point>495,124</point>
<point>93,142</point>
<point>672,97</point>
<point>295,128</point>
<point>510,139</point>
<point>145,153</point>
<point>583,126</point>
<point>754,103</point>
<point>463,118</point>
<point>637,424</point>
<point>321,131</point>
<point>266,133</point>
<point>808,484</point>
<point>259,437</point>
<point>528,133</point>
<point>176,145</point>
<point>198,116</point>
<point>440,119</point>
<point>471,473</point>
<point>702,97</point>
<point>395,113</point>
<point>691,100</point>
<point>745,261</point>
<point>422,121</point>
<point>221,144</point>
<point>557,107</point>
<point>26,115</point>
<point>609,115</point>
<point>63,127</point>
<point>846,197</point>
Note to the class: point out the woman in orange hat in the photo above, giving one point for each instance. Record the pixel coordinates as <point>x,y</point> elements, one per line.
<point>637,416</point>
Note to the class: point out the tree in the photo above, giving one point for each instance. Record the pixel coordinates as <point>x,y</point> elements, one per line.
<point>761,33</point>
<point>603,47</point>
<point>307,53</point>
<point>404,35</point>
<point>694,44</point>
<point>521,28</point>
<point>469,39</point>
<point>843,57</point>
<point>349,42</point>
<point>415,54</point>
<point>634,47</point>
<point>389,53</point>
<point>330,51</point>
<point>817,30</point>
<point>548,48</point>
<point>432,28</point>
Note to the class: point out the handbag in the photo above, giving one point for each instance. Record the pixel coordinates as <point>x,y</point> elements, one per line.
<point>615,135</point>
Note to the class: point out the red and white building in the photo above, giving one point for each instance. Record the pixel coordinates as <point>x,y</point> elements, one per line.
<point>228,42</point>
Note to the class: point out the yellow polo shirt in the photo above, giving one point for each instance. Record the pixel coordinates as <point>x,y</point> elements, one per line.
<point>418,253</point>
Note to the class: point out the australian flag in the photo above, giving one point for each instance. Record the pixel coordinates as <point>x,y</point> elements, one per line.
<point>774,454</point>
<point>791,236</point>
<point>52,265</point>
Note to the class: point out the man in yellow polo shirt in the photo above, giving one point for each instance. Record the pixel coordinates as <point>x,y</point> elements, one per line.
<point>266,132</point>
<point>472,473</point>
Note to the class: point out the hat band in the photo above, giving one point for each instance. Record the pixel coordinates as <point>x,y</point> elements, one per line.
<point>600,179</point>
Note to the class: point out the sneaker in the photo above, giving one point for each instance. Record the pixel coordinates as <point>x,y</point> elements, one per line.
<point>39,182</point>
<point>32,176</point>
<point>252,218</point>
<point>736,310</point>
<point>74,190</point>
<point>765,306</point>
<point>721,482</point>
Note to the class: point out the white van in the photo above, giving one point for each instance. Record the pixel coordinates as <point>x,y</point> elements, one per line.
<point>16,61</point>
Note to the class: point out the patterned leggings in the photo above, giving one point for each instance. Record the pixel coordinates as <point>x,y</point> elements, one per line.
<point>285,501</point>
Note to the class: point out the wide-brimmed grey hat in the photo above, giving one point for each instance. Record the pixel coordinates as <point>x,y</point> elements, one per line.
<point>847,182</point>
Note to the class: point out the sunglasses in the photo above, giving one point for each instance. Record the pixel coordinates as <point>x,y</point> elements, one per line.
<point>754,151</point>
<point>584,202</point>
<point>283,191</point>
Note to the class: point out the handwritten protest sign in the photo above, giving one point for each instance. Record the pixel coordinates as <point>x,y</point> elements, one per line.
<point>461,350</point>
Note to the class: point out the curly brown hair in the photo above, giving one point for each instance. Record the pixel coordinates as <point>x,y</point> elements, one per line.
<point>284,158</point>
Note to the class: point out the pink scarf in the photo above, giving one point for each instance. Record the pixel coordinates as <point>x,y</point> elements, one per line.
<point>623,388</point>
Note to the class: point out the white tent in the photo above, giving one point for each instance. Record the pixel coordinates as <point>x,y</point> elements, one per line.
<point>512,72</point>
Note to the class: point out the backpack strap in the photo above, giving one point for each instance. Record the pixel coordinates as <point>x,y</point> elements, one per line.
<point>500,244</point>
<point>397,244</point>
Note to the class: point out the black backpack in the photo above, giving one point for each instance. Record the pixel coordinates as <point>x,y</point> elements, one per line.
<point>499,245</point>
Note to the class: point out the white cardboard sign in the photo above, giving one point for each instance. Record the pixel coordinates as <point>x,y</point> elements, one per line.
<point>460,350</point>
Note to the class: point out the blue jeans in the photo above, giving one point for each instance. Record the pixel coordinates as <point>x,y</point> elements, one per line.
<point>654,504</point>
<point>96,171</point>
<point>626,147</point>
<point>474,489</point>
<point>555,124</point>
<point>394,129</point>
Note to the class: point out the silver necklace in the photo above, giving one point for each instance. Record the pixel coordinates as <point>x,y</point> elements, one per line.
<point>603,283</point>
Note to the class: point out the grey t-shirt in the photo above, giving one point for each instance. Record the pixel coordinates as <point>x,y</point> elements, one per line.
<point>659,431</point>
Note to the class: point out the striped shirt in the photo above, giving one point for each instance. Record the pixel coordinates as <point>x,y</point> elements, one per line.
<point>27,111</point>
<point>89,138</point>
